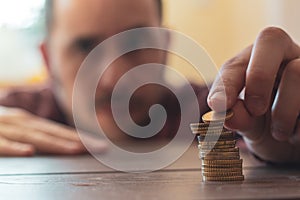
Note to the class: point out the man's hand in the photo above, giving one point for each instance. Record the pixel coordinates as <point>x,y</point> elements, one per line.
<point>268,115</point>
<point>24,134</point>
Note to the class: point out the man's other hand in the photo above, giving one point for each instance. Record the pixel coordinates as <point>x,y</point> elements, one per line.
<point>24,134</point>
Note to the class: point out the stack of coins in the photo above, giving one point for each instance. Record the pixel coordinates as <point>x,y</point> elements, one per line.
<point>217,148</point>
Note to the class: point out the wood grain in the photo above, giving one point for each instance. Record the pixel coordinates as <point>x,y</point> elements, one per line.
<point>82,177</point>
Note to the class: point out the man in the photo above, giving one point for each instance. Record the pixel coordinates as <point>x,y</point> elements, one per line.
<point>269,70</point>
<point>70,38</point>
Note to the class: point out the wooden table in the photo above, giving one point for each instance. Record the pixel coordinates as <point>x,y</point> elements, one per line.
<point>83,177</point>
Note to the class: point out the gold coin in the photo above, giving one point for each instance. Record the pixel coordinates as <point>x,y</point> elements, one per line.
<point>216,132</point>
<point>222,170</point>
<point>222,162</point>
<point>218,143</point>
<point>235,149</point>
<point>212,127</point>
<point>199,125</point>
<point>222,174</point>
<point>206,124</point>
<point>211,139</point>
<point>204,131</point>
<point>222,166</point>
<point>210,131</point>
<point>208,147</point>
<point>225,178</point>
<point>219,157</point>
<point>213,116</point>
<point>223,154</point>
<point>223,132</point>
<point>214,138</point>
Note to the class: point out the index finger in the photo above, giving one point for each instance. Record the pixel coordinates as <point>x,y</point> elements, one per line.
<point>44,125</point>
<point>230,82</point>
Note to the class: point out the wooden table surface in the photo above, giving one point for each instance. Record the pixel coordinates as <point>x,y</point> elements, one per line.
<point>83,177</point>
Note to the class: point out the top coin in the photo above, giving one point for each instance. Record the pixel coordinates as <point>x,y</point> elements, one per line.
<point>213,116</point>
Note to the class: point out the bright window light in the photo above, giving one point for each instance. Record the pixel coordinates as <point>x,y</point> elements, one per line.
<point>18,13</point>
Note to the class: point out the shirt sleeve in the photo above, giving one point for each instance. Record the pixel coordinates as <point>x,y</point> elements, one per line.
<point>39,101</point>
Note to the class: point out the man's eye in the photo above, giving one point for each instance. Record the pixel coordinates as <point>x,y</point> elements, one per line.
<point>85,45</point>
<point>138,41</point>
<point>133,42</point>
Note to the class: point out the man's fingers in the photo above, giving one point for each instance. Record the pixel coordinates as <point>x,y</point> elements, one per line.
<point>47,136</point>
<point>257,137</point>
<point>59,131</point>
<point>11,148</point>
<point>272,47</point>
<point>231,81</point>
<point>43,125</point>
<point>41,141</point>
<point>54,129</point>
<point>286,107</point>
<point>245,124</point>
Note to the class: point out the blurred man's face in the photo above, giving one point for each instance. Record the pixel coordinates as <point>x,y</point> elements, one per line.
<point>78,27</point>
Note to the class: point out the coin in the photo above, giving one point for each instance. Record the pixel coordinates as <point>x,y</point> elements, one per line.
<point>222,174</point>
<point>210,139</point>
<point>219,157</point>
<point>217,117</point>
<point>226,134</point>
<point>204,131</point>
<point>226,178</point>
<point>199,125</point>
<point>217,148</point>
<point>216,132</point>
<point>212,131</point>
<point>224,154</point>
<point>235,149</point>
<point>217,143</point>
<point>222,166</point>
<point>213,138</point>
<point>221,162</point>
<point>206,125</point>
<point>207,147</point>
<point>216,137</point>
<point>225,170</point>
<point>202,139</point>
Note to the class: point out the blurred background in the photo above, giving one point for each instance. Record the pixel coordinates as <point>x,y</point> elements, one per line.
<point>223,28</point>
<point>21,30</point>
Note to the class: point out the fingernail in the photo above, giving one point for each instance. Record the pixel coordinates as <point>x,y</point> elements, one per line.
<point>220,96</point>
<point>256,105</point>
<point>26,149</point>
<point>217,101</point>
